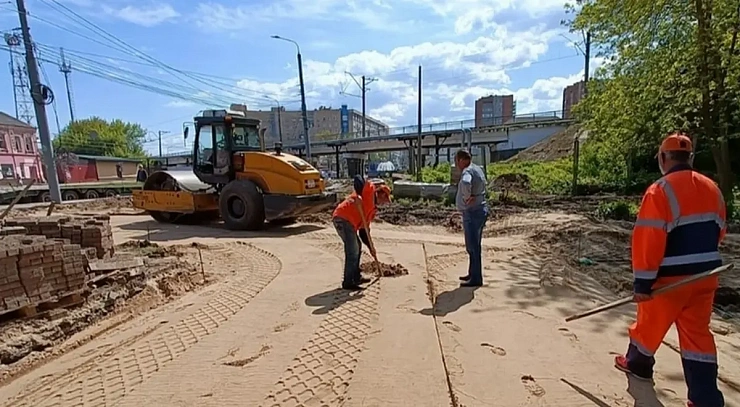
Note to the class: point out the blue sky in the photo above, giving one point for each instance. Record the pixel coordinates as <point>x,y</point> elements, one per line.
<point>209,53</point>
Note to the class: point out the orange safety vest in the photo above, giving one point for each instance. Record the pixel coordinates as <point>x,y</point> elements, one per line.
<point>348,211</point>
<point>682,221</point>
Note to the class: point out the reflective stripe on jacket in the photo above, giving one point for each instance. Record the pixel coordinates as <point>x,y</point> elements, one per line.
<point>678,229</point>
<point>348,211</point>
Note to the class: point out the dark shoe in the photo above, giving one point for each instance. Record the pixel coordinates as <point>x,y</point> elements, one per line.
<point>364,280</point>
<point>470,284</point>
<point>464,278</point>
<point>620,362</point>
<point>351,286</point>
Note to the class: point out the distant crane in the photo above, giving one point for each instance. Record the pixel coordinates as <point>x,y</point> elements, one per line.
<point>21,84</point>
<point>66,68</point>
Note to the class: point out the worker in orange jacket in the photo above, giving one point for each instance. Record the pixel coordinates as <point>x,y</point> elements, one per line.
<point>352,217</point>
<point>677,234</point>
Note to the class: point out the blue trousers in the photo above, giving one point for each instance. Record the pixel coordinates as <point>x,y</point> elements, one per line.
<point>474,219</point>
<point>352,250</point>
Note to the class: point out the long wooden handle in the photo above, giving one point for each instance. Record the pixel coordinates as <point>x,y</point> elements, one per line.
<point>369,238</point>
<point>661,290</point>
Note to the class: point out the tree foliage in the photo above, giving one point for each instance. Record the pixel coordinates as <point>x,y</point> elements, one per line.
<point>97,136</point>
<point>326,135</point>
<point>670,65</point>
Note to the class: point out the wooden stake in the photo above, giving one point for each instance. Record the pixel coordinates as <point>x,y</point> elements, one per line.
<point>17,198</point>
<point>202,268</point>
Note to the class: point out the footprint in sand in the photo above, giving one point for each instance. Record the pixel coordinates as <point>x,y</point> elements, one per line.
<point>568,334</point>
<point>532,387</point>
<point>496,350</point>
<point>451,326</point>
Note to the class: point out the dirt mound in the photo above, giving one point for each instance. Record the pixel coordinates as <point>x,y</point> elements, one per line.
<point>386,270</point>
<point>602,251</point>
<point>552,148</point>
<point>148,249</point>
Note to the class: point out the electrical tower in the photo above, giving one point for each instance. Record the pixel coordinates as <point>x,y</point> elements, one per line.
<point>21,86</point>
<point>66,68</point>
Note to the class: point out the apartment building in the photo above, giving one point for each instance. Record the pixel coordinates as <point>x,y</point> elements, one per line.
<point>494,110</point>
<point>323,122</point>
<point>571,96</point>
<point>19,152</point>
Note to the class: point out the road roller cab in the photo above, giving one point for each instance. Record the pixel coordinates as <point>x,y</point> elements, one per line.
<point>234,175</point>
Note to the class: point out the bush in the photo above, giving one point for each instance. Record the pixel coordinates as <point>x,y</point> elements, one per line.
<point>438,174</point>
<point>617,210</point>
<point>553,177</point>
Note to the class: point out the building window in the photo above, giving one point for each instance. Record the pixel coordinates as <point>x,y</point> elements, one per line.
<point>29,144</point>
<point>17,144</point>
<point>7,171</point>
<point>3,143</point>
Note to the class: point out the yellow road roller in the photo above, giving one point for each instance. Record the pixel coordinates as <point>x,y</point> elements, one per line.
<point>235,177</point>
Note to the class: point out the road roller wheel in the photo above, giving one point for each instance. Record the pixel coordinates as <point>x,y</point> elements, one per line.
<point>242,206</point>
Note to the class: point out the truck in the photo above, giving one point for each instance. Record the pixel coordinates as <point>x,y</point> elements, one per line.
<point>70,191</point>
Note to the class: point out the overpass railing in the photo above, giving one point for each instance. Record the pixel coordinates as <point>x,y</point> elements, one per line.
<point>381,134</point>
<point>431,128</point>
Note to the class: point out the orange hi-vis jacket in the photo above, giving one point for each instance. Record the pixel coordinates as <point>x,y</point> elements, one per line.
<point>678,229</point>
<point>348,211</point>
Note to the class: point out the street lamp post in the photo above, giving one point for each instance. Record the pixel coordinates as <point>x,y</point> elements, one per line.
<point>303,95</point>
<point>280,121</point>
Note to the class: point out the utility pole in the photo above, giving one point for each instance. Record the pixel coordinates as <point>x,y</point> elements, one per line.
<point>304,113</point>
<point>66,69</point>
<point>364,88</point>
<point>587,63</point>
<point>419,162</point>
<point>362,84</point>
<point>159,136</point>
<point>279,119</point>
<point>576,141</point>
<point>38,92</point>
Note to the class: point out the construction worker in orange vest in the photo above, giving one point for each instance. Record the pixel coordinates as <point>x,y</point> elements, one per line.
<point>352,217</point>
<point>677,234</point>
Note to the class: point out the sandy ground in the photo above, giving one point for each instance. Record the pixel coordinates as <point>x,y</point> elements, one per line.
<point>272,329</point>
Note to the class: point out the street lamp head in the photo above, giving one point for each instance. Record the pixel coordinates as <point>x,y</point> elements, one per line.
<point>277,37</point>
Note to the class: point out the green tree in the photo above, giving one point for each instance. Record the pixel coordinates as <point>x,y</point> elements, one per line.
<point>97,136</point>
<point>672,65</point>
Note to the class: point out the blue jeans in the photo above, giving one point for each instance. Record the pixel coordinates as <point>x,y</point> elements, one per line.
<point>474,219</point>
<point>352,250</point>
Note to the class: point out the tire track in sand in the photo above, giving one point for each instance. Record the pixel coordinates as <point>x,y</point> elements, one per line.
<point>113,378</point>
<point>323,369</point>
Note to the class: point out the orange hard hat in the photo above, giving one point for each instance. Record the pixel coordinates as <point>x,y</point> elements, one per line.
<point>676,142</point>
<point>383,193</point>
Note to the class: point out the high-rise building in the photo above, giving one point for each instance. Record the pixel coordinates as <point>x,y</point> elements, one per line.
<point>494,110</point>
<point>571,96</point>
<point>323,122</point>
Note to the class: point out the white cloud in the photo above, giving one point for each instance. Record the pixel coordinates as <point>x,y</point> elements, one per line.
<point>373,14</point>
<point>468,14</point>
<point>147,16</point>
<point>454,75</point>
<point>181,104</point>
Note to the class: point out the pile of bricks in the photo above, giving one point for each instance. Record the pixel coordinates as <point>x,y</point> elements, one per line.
<point>36,269</point>
<point>93,232</point>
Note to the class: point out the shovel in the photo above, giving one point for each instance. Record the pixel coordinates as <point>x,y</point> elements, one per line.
<point>372,245</point>
<point>661,290</point>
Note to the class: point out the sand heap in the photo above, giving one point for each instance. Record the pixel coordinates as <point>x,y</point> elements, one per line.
<point>386,270</point>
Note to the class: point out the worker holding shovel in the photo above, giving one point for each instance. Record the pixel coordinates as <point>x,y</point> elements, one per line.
<point>676,237</point>
<point>352,218</point>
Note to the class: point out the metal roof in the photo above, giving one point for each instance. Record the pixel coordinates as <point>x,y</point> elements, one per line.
<point>8,120</point>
